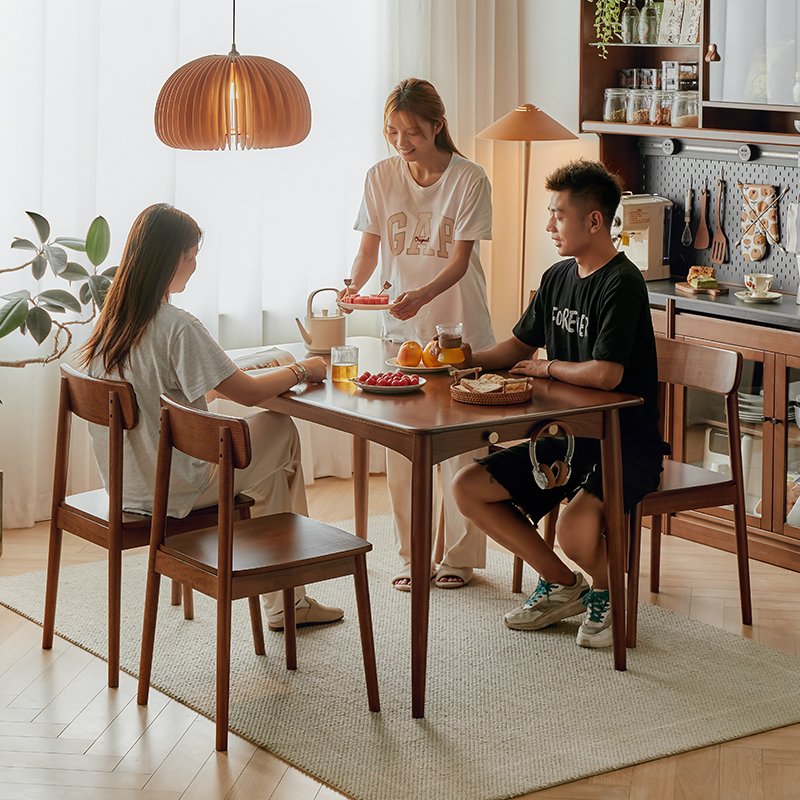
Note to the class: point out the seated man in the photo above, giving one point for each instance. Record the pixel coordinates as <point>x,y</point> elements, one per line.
<point>592,314</point>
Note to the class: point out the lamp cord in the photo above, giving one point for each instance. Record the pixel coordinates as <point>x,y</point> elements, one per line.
<point>233,35</point>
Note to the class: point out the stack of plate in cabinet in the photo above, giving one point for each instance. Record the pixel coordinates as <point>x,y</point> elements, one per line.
<point>751,406</point>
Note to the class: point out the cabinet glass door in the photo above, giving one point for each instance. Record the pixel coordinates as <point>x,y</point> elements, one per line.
<point>787,494</point>
<point>757,41</point>
<point>705,439</point>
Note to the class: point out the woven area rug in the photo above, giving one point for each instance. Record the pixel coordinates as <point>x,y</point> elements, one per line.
<point>507,712</point>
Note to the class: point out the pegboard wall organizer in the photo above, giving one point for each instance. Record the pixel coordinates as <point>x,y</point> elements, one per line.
<point>668,165</point>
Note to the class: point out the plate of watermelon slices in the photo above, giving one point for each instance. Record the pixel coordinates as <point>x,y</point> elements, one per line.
<point>365,302</point>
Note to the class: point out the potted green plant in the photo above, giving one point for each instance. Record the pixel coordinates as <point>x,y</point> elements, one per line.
<point>606,22</point>
<point>33,314</point>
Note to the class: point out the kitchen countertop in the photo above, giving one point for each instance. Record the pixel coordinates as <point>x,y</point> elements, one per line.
<point>783,313</point>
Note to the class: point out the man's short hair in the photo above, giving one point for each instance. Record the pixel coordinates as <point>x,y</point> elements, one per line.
<point>591,187</point>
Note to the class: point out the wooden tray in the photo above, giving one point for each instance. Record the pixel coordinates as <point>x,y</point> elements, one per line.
<point>490,398</point>
<point>687,288</point>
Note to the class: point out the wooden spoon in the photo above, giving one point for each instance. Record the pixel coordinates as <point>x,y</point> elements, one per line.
<point>701,237</point>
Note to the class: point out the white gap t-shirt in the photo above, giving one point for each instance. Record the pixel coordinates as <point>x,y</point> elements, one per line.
<point>176,356</point>
<point>417,226</point>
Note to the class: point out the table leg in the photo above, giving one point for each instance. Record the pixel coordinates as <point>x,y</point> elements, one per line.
<point>615,535</point>
<point>421,516</point>
<point>361,484</point>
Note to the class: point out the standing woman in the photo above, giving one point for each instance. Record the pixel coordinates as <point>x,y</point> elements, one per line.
<point>140,337</point>
<point>424,211</point>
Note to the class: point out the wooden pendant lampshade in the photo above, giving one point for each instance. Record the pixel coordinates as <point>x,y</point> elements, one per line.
<point>219,102</point>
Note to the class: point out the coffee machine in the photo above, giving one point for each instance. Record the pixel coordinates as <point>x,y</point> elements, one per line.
<point>641,229</point>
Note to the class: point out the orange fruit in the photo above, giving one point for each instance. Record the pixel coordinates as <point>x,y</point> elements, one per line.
<point>409,354</point>
<point>428,359</point>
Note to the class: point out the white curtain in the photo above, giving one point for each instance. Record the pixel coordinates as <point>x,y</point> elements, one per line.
<point>78,83</point>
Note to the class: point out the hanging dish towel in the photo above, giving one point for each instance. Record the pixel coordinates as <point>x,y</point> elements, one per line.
<point>792,228</point>
<point>755,199</point>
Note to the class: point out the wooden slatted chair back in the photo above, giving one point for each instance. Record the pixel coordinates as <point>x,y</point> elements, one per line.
<point>710,369</point>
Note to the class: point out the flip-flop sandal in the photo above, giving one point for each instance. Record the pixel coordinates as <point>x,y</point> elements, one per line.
<point>464,575</point>
<point>405,573</point>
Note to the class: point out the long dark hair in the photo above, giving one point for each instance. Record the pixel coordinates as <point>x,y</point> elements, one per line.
<point>418,97</point>
<point>159,237</point>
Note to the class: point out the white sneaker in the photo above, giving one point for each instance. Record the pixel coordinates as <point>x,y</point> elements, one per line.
<point>307,612</point>
<point>549,603</point>
<point>595,630</point>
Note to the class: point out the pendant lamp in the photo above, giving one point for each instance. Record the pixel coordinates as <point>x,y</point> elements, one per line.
<point>219,102</point>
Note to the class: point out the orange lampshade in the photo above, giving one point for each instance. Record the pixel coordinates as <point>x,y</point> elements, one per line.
<point>526,124</point>
<point>219,102</point>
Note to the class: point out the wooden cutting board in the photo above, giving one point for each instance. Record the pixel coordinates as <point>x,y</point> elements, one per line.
<point>687,288</point>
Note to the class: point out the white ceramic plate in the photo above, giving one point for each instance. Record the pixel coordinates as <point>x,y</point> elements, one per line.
<point>390,389</point>
<point>392,362</point>
<point>768,297</point>
<point>365,306</point>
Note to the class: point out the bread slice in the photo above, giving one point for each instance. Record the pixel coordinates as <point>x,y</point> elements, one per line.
<point>515,385</point>
<point>704,283</point>
<point>483,385</point>
<point>700,272</point>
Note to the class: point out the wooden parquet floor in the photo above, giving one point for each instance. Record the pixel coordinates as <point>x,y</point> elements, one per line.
<point>65,736</point>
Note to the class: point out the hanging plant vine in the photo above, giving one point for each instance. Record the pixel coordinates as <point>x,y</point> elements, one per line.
<point>606,22</point>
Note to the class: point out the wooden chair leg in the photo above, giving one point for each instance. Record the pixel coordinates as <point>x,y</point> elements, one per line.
<point>742,558</point>
<point>51,591</point>
<point>550,520</point>
<point>256,624</point>
<point>148,636</point>
<point>655,552</point>
<point>177,593</point>
<point>223,670</point>
<point>634,558</point>
<point>365,625</point>
<point>188,602</point>
<point>114,614</point>
<point>289,629</point>
<point>516,577</point>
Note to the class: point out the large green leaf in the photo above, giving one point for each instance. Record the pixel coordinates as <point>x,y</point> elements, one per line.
<point>12,315</point>
<point>54,308</point>
<point>74,272</point>
<point>72,243</point>
<point>98,286</point>
<point>98,241</point>
<point>110,272</point>
<point>23,244</point>
<point>38,266</point>
<point>42,225</point>
<point>85,293</point>
<point>59,297</point>
<point>22,293</point>
<point>57,258</point>
<point>39,324</point>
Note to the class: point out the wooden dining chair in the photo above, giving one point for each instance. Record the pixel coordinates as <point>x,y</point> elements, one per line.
<point>97,516</point>
<point>234,560</point>
<point>686,487</point>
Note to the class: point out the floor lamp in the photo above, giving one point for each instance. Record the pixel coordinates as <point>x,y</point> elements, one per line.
<point>526,124</point>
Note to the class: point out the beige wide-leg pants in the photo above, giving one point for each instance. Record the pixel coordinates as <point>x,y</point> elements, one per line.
<point>274,479</point>
<point>464,542</point>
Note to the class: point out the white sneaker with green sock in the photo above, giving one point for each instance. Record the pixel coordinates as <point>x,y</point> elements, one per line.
<point>549,603</point>
<point>595,630</point>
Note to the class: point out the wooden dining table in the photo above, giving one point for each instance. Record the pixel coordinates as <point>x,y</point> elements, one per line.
<point>427,427</point>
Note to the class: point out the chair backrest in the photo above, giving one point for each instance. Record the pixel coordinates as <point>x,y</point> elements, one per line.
<point>697,366</point>
<point>197,433</point>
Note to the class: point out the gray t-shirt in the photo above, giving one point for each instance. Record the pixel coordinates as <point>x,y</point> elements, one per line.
<point>176,356</point>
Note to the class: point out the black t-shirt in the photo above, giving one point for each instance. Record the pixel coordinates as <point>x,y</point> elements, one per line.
<point>603,317</point>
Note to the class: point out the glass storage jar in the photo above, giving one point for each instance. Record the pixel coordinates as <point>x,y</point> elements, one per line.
<point>661,107</point>
<point>616,101</point>
<point>638,109</point>
<point>685,108</point>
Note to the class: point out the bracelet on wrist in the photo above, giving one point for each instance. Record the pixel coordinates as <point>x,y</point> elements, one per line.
<point>547,368</point>
<point>299,372</point>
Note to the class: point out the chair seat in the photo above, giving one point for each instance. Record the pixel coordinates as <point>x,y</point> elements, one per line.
<point>266,544</point>
<point>685,486</point>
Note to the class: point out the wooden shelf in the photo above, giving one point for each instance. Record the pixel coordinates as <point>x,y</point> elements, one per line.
<point>687,45</point>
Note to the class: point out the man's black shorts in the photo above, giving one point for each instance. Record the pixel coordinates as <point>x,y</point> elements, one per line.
<point>512,469</point>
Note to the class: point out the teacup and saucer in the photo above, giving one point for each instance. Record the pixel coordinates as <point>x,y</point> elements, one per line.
<point>758,288</point>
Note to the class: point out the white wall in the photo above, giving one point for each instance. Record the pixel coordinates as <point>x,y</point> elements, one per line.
<point>550,59</point>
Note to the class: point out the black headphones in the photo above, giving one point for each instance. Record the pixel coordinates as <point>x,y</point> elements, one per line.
<point>557,474</point>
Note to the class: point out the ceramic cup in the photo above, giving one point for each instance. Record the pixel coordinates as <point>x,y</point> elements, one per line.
<point>758,282</point>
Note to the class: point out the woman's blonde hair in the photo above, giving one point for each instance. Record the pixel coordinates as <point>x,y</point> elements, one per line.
<point>418,97</point>
<point>159,237</point>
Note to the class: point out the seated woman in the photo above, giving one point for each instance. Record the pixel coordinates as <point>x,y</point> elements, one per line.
<point>140,337</point>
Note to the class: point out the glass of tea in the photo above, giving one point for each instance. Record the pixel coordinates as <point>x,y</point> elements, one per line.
<point>344,362</point>
<point>450,343</point>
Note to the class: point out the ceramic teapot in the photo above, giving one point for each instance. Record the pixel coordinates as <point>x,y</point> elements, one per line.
<point>321,332</point>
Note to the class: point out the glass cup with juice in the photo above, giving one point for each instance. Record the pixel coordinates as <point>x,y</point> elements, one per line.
<point>344,362</point>
<point>450,343</point>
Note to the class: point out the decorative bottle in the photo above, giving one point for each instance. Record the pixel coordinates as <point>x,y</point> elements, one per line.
<point>648,24</point>
<point>630,23</point>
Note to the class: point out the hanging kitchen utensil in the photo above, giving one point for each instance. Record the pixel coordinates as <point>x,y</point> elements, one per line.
<point>686,236</point>
<point>719,243</point>
<point>701,237</point>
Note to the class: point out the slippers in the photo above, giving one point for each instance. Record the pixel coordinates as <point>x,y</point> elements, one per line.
<point>463,574</point>
<point>404,574</point>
